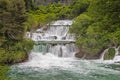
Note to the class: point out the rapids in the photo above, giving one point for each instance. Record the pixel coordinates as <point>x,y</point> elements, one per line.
<point>52,58</point>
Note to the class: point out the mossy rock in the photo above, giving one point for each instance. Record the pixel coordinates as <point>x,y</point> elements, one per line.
<point>87,55</point>
<point>109,55</point>
<point>92,56</point>
<point>79,55</point>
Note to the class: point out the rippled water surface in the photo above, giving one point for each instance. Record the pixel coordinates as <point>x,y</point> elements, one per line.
<point>50,67</point>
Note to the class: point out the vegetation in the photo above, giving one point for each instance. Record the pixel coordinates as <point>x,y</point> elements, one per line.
<point>43,14</point>
<point>13,46</point>
<point>12,31</point>
<point>18,16</point>
<point>109,55</point>
<point>98,27</point>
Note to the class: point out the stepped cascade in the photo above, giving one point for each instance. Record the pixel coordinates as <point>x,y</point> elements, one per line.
<point>55,39</point>
<point>52,58</point>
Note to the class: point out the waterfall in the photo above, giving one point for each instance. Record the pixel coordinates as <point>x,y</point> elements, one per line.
<point>52,58</point>
<point>55,39</point>
<point>102,56</point>
<point>116,57</point>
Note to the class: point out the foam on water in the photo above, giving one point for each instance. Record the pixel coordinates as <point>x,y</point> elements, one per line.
<point>55,60</point>
<point>46,61</point>
<point>50,61</point>
<point>51,67</point>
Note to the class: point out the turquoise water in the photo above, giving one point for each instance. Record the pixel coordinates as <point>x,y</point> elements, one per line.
<point>65,69</point>
<point>44,65</point>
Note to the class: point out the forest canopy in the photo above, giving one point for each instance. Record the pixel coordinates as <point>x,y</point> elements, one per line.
<point>99,26</point>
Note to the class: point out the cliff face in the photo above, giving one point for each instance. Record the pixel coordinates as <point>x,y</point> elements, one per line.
<point>52,1</point>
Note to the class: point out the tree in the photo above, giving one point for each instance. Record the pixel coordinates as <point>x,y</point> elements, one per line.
<point>13,45</point>
<point>12,18</point>
<point>104,31</point>
<point>79,7</point>
<point>30,5</point>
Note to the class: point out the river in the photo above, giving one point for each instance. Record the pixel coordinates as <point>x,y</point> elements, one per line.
<point>52,58</point>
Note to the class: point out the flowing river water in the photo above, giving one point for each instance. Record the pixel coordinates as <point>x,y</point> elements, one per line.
<point>52,58</point>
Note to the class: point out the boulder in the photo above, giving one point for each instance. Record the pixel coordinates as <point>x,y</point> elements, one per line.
<point>84,54</point>
<point>109,55</point>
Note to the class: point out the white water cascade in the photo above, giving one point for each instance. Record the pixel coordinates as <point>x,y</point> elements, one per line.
<point>52,58</point>
<point>53,46</point>
<point>55,39</point>
<point>116,56</point>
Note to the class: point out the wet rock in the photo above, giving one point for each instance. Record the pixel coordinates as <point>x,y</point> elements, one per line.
<point>88,55</point>
<point>63,38</point>
<point>53,37</point>
<point>79,55</point>
<point>45,27</point>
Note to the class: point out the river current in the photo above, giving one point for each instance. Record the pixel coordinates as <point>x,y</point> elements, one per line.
<point>52,58</point>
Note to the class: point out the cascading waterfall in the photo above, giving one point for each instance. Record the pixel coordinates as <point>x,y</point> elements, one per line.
<point>102,56</point>
<point>52,58</point>
<point>56,39</point>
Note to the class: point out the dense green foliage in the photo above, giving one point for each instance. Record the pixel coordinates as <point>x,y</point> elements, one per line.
<point>43,14</point>
<point>98,27</point>
<point>13,46</point>
<point>30,5</point>
<point>12,31</point>
<point>79,7</point>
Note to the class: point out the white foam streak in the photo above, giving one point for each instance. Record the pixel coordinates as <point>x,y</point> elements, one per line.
<point>102,56</point>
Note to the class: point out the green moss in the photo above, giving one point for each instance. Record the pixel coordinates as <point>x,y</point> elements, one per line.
<point>110,54</point>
